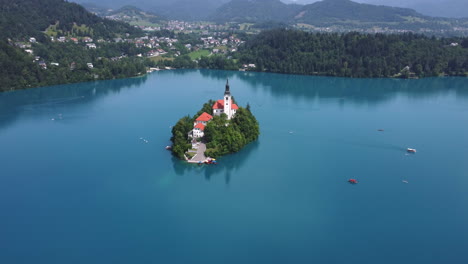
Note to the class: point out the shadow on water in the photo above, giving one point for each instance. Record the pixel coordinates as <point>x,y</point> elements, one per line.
<point>37,100</point>
<point>349,90</point>
<point>226,165</point>
<point>218,75</point>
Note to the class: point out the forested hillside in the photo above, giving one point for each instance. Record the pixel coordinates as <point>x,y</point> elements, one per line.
<point>31,56</point>
<point>346,11</point>
<point>255,11</point>
<point>339,16</point>
<point>356,55</point>
<point>28,18</point>
<point>135,16</point>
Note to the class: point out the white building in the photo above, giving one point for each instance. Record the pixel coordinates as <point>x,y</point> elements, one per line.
<point>200,123</point>
<point>225,105</point>
<point>198,130</point>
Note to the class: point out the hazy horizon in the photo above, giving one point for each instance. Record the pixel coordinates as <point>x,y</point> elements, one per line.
<point>441,8</point>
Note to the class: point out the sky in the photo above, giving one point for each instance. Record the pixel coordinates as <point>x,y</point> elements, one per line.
<point>444,8</point>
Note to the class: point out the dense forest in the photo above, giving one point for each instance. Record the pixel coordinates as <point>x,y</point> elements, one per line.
<point>29,18</point>
<point>222,136</point>
<point>356,55</point>
<point>21,20</point>
<point>17,70</point>
<point>242,129</point>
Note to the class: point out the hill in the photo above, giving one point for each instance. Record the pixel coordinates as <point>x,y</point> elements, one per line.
<point>331,11</point>
<point>135,16</point>
<point>340,15</point>
<point>29,18</point>
<point>96,9</point>
<point>46,42</point>
<point>255,11</point>
<point>187,10</point>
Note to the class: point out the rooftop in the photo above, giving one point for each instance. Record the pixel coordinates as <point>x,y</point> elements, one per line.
<point>204,117</point>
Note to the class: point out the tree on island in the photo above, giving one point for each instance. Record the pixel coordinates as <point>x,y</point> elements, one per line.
<point>228,136</point>
<point>221,136</point>
<point>180,143</point>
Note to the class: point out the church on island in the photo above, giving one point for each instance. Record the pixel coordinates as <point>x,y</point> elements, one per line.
<point>221,106</point>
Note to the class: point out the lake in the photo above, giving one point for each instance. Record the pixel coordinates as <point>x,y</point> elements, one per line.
<point>78,185</point>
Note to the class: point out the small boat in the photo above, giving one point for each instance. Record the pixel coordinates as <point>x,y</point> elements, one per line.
<point>411,150</point>
<point>168,147</point>
<point>210,161</point>
<point>352,181</point>
<point>380,130</point>
<point>405,181</point>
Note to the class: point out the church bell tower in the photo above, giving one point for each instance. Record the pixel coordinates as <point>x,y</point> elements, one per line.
<point>227,101</point>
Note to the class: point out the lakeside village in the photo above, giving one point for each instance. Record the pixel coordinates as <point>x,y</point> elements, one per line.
<point>155,48</point>
<point>171,40</point>
<point>226,129</point>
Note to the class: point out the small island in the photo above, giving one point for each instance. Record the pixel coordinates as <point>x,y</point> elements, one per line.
<point>221,127</point>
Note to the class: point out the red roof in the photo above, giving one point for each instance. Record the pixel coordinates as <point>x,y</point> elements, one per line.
<point>200,126</point>
<point>220,105</point>
<point>204,117</point>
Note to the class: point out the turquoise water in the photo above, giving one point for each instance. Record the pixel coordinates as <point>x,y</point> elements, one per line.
<point>83,187</point>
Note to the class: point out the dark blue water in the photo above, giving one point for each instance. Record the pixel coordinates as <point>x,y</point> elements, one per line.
<point>83,187</point>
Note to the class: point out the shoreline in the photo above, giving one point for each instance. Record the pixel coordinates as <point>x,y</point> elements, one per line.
<point>281,73</point>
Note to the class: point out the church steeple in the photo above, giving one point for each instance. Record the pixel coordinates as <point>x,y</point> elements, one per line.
<point>227,101</point>
<point>227,92</point>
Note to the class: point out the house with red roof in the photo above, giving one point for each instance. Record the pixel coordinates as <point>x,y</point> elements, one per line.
<point>200,123</point>
<point>224,105</point>
<point>203,119</point>
<point>198,130</point>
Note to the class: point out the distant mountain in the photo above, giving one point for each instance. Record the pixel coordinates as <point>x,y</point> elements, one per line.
<point>186,9</point>
<point>201,9</point>
<point>255,11</point>
<point>96,9</point>
<point>435,8</point>
<point>134,16</point>
<point>339,15</point>
<point>30,18</point>
<point>331,11</point>
<point>318,13</point>
<point>171,9</point>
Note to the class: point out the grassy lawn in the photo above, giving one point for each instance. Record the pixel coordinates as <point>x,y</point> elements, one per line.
<point>160,58</point>
<point>245,26</point>
<point>52,30</point>
<point>189,155</point>
<point>198,54</point>
<point>144,23</point>
<point>221,47</point>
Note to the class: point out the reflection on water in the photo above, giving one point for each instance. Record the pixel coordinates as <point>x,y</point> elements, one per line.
<point>13,104</point>
<point>358,91</point>
<point>227,169</point>
<point>218,74</point>
<point>90,183</point>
